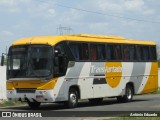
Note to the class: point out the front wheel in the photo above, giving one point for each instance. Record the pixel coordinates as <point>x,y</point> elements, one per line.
<point>72,98</point>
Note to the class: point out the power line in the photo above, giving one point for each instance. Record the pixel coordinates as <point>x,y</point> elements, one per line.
<point>95,12</point>
<point>62,29</point>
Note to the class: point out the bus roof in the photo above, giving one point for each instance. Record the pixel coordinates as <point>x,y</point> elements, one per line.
<point>52,40</point>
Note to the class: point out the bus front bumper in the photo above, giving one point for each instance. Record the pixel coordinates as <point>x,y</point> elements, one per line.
<point>38,95</point>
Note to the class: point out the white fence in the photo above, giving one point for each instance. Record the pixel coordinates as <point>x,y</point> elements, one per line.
<point>3,82</point>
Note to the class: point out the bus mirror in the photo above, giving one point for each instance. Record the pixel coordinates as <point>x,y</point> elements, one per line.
<point>2,60</point>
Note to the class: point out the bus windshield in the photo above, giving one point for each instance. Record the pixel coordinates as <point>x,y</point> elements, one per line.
<point>29,61</point>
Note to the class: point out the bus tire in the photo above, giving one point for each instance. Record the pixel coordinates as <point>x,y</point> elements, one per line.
<point>96,101</point>
<point>34,105</point>
<point>72,98</point>
<point>128,95</point>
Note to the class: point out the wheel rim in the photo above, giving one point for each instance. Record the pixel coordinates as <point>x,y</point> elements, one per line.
<point>73,98</point>
<point>129,94</point>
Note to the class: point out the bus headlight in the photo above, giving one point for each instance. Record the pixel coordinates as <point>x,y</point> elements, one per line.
<point>10,92</point>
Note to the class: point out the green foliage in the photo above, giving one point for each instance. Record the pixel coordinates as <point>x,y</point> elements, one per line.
<point>8,103</point>
<point>5,61</point>
<point>159,63</point>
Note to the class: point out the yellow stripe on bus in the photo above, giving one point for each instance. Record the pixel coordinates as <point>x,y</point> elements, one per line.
<point>152,83</point>
<point>38,84</point>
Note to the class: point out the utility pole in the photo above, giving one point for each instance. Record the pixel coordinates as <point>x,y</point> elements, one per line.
<point>64,30</point>
<point>6,50</point>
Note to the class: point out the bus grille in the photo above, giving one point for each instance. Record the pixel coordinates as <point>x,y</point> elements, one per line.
<point>25,90</point>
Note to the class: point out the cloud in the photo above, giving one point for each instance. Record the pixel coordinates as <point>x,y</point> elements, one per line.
<point>108,6</point>
<point>99,27</point>
<point>7,33</point>
<point>121,6</point>
<point>41,10</point>
<point>51,11</point>
<point>8,6</point>
<point>12,6</point>
<point>7,2</point>
<point>13,2</point>
<point>134,5</point>
<point>138,6</point>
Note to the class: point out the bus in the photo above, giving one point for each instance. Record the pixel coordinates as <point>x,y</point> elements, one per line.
<point>69,68</point>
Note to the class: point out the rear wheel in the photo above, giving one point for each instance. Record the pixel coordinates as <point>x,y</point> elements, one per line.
<point>34,105</point>
<point>128,95</point>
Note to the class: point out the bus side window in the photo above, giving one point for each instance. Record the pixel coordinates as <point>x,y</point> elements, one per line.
<point>85,51</point>
<point>101,52</point>
<point>132,52</point>
<point>139,53</point>
<point>75,49</point>
<point>125,51</point>
<point>93,52</point>
<point>109,52</point>
<point>117,52</point>
<point>145,53</point>
<point>153,55</point>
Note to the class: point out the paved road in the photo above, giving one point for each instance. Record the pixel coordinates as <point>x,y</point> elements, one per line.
<point>109,108</point>
<point>149,102</point>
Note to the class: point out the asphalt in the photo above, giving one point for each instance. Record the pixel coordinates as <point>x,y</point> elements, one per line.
<point>149,103</point>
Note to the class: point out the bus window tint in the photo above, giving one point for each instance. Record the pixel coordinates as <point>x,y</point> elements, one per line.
<point>113,52</point>
<point>75,49</point>
<point>109,52</point>
<point>117,52</point>
<point>145,53</point>
<point>153,53</point>
<point>139,53</point>
<point>126,54</point>
<point>101,52</point>
<point>93,52</point>
<point>85,52</point>
<point>132,52</point>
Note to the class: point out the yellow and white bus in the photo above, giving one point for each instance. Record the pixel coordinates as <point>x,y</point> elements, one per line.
<point>69,68</point>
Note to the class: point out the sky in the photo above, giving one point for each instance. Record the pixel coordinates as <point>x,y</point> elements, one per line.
<point>133,19</point>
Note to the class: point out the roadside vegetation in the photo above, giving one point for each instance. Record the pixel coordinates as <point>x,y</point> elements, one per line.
<point>158,63</point>
<point>8,103</point>
<point>158,92</point>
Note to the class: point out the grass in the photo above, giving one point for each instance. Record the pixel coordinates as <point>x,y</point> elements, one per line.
<point>8,103</point>
<point>157,92</point>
